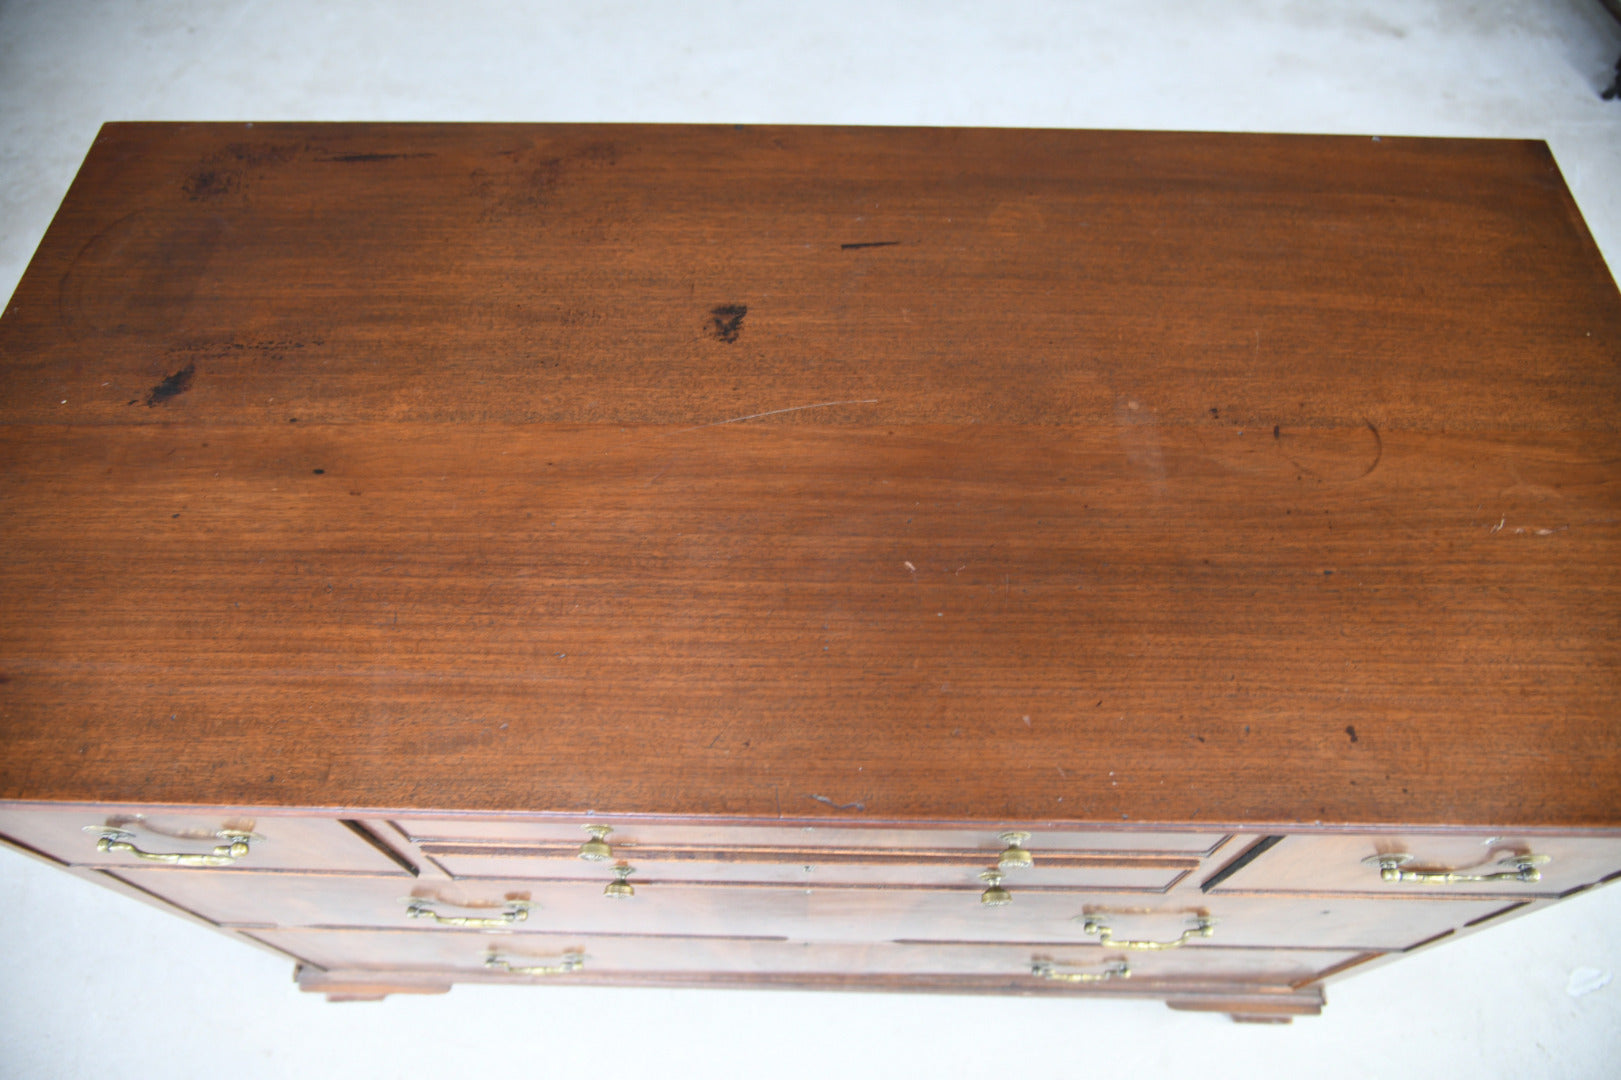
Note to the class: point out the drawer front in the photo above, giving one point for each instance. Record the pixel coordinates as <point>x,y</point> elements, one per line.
<point>810,866</point>
<point>629,835</point>
<point>559,956</point>
<point>820,914</point>
<point>195,840</point>
<point>1418,865</point>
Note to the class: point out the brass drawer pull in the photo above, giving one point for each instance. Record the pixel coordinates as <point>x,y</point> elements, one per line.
<point>1204,926</point>
<point>1521,868</point>
<point>1015,857</point>
<point>118,841</point>
<point>597,849</point>
<point>620,888</point>
<point>417,907</point>
<point>1044,969</point>
<point>570,962</point>
<point>994,895</point>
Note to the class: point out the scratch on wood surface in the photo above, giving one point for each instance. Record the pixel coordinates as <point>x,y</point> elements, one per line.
<point>776,412</point>
<point>838,806</point>
<point>1378,449</point>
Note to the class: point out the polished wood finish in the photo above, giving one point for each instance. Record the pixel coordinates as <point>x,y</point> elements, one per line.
<point>1046,476</point>
<point>1219,509</point>
<point>463,951</point>
<point>825,915</point>
<point>856,839</point>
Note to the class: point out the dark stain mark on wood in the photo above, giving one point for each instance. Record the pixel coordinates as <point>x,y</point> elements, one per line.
<point>507,194</point>
<point>598,153</point>
<point>522,185</point>
<point>1351,731</point>
<point>207,184</point>
<point>727,321</point>
<point>262,153</point>
<point>172,387</point>
<point>1215,413</point>
<point>1320,463</point>
<point>356,158</point>
<point>868,244</point>
<point>319,472</point>
<point>274,350</point>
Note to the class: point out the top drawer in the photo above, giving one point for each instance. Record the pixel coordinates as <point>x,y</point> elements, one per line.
<point>198,839</point>
<point>632,834</point>
<point>1409,865</point>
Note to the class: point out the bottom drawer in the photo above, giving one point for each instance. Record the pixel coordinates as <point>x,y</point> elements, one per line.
<point>533,956</point>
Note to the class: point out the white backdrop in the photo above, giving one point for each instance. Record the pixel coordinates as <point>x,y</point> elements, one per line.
<point>92,984</point>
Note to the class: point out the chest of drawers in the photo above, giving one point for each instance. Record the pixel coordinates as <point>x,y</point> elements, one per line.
<point>1165,565</point>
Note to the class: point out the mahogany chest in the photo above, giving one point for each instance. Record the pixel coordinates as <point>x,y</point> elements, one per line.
<point>1045,562</point>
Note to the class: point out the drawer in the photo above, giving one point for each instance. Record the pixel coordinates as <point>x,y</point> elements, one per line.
<point>629,835</point>
<point>496,954</point>
<point>196,839</point>
<point>1426,865</point>
<point>812,866</point>
<point>817,913</point>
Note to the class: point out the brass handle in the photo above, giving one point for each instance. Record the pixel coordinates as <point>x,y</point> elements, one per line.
<point>117,841</point>
<point>597,849</point>
<point>994,895</point>
<point>620,888</point>
<point>1014,857</point>
<point>1521,868</point>
<point>1044,969</point>
<point>417,907</point>
<point>1204,926</point>
<point>571,961</point>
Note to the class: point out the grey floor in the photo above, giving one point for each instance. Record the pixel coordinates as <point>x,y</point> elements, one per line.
<point>92,984</point>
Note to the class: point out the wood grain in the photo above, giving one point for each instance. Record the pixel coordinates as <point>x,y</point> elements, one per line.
<point>893,475</point>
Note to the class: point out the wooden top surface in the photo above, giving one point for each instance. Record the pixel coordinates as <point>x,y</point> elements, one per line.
<point>876,474</point>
